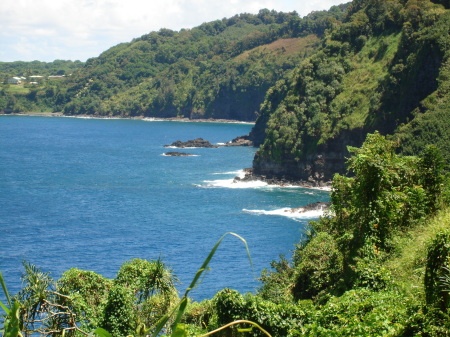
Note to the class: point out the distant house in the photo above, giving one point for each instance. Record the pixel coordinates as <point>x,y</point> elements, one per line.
<point>14,80</point>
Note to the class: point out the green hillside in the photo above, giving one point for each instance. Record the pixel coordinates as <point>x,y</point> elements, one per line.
<point>384,68</point>
<point>221,69</point>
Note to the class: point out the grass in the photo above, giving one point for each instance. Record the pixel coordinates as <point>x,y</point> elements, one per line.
<point>408,268</point>
<point>370,66</point>
<point>285,46</point>
<point>17,89</point>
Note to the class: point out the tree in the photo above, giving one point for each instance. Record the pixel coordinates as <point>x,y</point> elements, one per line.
<point>119,317</point>
<point>41,309</point>
<point>86,293</point>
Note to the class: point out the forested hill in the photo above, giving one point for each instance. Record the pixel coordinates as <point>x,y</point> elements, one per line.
<point>385,67</point>
<point>221,69</point>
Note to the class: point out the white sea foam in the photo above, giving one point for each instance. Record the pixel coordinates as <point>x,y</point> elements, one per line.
<point>322,188</point>
<point>231,183</point>
<point>239,173</point>
<point>288,212</point>
<point>191,155</point>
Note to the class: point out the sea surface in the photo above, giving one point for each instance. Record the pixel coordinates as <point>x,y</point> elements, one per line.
<point>94,193</point>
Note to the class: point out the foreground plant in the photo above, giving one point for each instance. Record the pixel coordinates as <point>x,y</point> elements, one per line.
<point>49,309</point>
<point>42,309</point>
<point>11,323</point>
<point>180,308</point>
<point>177,329</point>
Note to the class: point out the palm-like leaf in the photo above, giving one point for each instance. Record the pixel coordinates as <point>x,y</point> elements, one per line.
<point>180,308</point>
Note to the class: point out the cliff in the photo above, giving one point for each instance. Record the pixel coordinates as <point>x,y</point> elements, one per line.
<point>385,68</point>
<point>316,168</point>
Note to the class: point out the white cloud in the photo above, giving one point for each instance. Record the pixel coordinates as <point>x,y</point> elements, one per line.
<point>67,29</point>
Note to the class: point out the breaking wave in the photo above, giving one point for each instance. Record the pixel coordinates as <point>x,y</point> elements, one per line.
<point>288,212</point>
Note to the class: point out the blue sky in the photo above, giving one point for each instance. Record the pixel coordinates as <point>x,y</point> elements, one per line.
<point>46,30</point>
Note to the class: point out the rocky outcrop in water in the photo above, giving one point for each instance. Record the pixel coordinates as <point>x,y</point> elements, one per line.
<point>197,142</point>
<point>200,142</point>
<point>240,141</point>
<point>315,206</point>
<point>178,154</point>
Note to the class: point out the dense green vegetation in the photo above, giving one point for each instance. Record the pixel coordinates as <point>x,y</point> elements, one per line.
<point>220,69</point>
<point>385,68</point>
<point>26,69</point>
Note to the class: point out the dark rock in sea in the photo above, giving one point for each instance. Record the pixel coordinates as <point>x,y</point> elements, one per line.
<point>315,206</point>
<point>198,142</point>
<point>178,154</point>
<point>240,141</point>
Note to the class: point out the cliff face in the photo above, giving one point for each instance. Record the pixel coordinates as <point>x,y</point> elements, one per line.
<point>316,168</point>
<point>385,67</point>
<point>235,105</point>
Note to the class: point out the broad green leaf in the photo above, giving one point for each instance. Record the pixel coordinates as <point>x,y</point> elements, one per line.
<point>180,331</point>
<point>102,332</point>
<point>5,308</point>
<point>5,291</point>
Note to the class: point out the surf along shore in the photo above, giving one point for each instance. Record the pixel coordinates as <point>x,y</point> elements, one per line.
<point>162,119</point>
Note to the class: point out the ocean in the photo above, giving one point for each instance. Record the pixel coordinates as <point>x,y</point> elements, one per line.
<point>94,193</point>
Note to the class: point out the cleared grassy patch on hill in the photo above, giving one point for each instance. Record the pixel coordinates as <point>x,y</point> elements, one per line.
<point>286,46</point>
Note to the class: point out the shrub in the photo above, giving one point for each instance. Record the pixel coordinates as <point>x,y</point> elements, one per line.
<point>277,283</point>
<point>360,312</point>
<point>370,273</point>
<point>319,267</point>
<point>146,278</point>
<point>88,292</point>
<point>118,315</point>
<point>277,319</point>
<point>438,258</point>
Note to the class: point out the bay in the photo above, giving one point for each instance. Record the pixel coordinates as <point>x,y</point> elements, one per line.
<point>94,193</point>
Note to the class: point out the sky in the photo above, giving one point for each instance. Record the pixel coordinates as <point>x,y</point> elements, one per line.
<point>48,30</point>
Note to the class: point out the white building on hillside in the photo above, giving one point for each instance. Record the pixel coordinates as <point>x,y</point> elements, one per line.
<point>14,80</point>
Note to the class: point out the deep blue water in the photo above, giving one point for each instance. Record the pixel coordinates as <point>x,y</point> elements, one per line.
<point>92,194</point>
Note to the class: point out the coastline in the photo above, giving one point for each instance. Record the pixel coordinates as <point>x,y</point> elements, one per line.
<point>248,176</point>
<point>144,118</point>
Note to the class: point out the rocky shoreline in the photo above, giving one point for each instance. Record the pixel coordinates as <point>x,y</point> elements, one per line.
<point>273,180</point>
<point>151,119</point>
<point>315,206</point>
